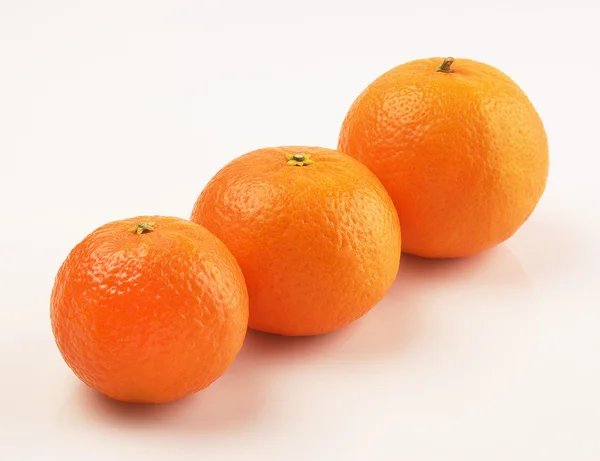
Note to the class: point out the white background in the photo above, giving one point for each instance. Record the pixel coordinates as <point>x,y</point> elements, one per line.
<point>111,109</point>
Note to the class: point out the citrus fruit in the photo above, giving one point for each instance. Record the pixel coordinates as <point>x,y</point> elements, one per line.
<point>459,147</point>
<point>149,309</point>
<point>314,231</point>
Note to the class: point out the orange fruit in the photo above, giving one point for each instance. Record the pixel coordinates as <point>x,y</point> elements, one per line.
<point>314,231</point>
<point>458,146</point>
<point>149,309</point>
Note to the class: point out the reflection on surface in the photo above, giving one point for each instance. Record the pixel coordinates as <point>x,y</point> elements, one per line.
<point>230,404</point>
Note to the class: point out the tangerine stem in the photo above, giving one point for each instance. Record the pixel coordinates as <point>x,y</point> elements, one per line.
<point>143,227</point>
<point>299,159</point>
<point>446,66</point>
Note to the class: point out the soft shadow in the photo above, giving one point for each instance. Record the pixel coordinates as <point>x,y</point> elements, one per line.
<point>272,347</point>
<point>231,403</point>
<point>551,246</point>
<point>392,326</point>
<point>388,327</point>
<point>494,270</point>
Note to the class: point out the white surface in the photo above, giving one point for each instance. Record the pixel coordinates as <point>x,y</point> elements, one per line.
<point>117,108</point>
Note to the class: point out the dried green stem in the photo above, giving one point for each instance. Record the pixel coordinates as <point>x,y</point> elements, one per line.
<point>446,66</point>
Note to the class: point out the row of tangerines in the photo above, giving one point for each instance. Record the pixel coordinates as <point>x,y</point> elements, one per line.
<point>302,240</point>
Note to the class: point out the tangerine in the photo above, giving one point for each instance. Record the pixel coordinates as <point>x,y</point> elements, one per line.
<point>459,147</point>
<point>149,309</point>
<point>314,231</point>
